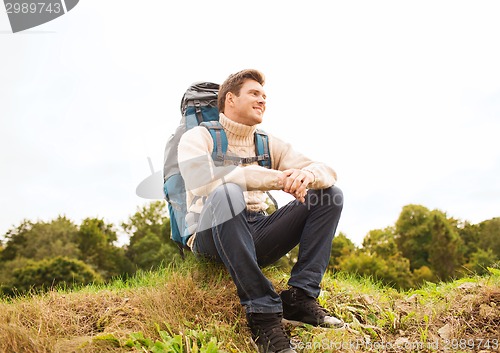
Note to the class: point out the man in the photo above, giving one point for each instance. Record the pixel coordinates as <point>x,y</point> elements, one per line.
<point>227,207</point>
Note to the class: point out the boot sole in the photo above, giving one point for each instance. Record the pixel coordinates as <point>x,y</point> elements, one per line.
<point>259,350</point>
<point>295,323</point>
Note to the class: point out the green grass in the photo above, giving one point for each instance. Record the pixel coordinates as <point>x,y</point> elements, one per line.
<point>193,307</point>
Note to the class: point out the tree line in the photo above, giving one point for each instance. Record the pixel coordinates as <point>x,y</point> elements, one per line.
<point>423,246</point>
<point>37,256</point>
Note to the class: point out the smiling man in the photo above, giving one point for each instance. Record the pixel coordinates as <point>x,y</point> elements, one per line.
<point>226,205</point>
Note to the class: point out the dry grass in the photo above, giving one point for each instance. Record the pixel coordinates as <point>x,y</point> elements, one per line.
<point>462,316</point>
<point>71,322</point>
<point>203,298</point>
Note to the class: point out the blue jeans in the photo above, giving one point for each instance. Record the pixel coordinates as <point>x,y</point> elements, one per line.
<point>247,241</point>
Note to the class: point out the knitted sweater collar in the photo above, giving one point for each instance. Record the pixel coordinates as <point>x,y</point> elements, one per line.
<point>240,130</point>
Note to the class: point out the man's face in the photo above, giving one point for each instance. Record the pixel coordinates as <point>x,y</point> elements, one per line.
<point>248,108</point>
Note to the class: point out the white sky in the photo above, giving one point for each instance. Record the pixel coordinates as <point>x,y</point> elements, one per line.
<point>401,98</point>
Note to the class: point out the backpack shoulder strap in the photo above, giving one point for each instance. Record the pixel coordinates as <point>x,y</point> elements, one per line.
<point>264,156</point>
<point>262,148</point>
<point>220,139</point>
<point>219,152</point>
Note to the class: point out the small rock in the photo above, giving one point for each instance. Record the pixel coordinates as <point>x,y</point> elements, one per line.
<point>413,298</point>
<point>401,341</point>
<point>445,332</point>
<point>468,285</point>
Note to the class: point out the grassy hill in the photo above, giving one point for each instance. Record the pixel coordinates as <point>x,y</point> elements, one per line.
<point>194,308</point>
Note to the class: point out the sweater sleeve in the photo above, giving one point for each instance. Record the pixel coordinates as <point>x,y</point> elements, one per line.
<point>201,176</point>
<point>285,157</point>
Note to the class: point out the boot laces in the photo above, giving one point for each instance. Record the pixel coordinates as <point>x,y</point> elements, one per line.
<point>311,305</point>
<point>277,338</point>
<point>272,335</point>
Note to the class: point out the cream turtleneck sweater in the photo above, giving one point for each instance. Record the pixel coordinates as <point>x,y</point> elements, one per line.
<point>201,176</point>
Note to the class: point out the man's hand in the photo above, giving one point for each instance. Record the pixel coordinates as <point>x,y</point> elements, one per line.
<point>295,182</point>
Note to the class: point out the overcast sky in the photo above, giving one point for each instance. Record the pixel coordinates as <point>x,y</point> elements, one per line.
<point>401,98</point>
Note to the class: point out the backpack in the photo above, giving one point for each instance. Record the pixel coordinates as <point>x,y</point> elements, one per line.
<point>199,108</point>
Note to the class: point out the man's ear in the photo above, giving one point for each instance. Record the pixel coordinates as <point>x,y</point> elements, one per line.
<point>230,98</point>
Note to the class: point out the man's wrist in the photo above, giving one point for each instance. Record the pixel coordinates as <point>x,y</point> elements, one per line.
<point>312,174</point>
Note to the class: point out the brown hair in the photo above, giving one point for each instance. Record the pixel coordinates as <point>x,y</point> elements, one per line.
<point>234,82</point>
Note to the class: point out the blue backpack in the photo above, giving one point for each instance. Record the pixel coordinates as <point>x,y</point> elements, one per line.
<point>199,108</point>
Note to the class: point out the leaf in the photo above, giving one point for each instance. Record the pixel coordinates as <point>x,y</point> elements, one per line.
<point>160,347</point>
<point>110,338</point>
<point>211,346</point>
<point>494,271</point>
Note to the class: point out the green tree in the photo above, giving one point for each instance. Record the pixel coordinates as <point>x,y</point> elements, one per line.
<point>95,240</point>
<point>393,271</point>
<point>342,247</point>
<point>490,235</point>
<point>445,250</point>
<point>150,243</point>
<point>381,259</point>
<point>470,235</point>
<point>152,252</point>
<point>480,261</point>
<point>413,235</point>
<point>16,239</point>
<point>381,242</point>
<point>430,239</point>
<point>41,240</point>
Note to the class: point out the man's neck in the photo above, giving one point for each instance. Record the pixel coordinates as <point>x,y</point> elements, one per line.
<point>235,127</point>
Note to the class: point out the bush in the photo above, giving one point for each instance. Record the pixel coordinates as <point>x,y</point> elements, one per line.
<point>35,275</point>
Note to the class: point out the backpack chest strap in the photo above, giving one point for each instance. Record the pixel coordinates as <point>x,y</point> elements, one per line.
<point>219,153</point>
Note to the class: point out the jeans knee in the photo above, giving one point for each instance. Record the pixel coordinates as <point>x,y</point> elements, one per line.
<point>337,196</point>
<point>331,197</point>
<point>231,189</point>
<point>229,193</point>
